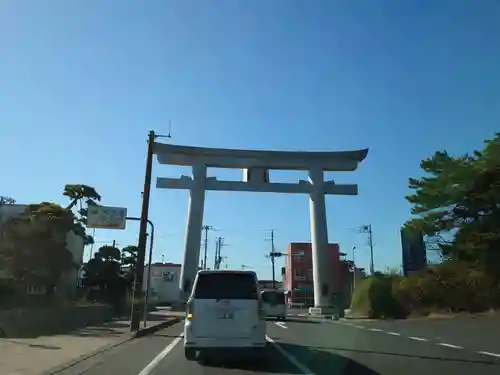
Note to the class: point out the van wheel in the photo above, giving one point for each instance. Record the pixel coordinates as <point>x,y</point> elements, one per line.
<point>190,354</point>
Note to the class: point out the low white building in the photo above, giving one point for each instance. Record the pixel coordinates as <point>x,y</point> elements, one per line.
<point>75,245</point>
<point>164,283</point>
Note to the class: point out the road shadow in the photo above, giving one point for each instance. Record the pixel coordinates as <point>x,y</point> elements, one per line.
<point>31,345</point>
<point>279,360</point>
<point>303,320</point>
<point>322,361</point>
<point>271,362</point>
<point>408,355</point>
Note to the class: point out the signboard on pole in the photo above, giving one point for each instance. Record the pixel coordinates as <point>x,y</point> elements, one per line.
<point>104,217</point>
<point>414,251</point>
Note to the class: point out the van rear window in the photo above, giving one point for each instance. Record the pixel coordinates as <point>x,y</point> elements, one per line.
<point>226,286</point>
<point>273,297</point>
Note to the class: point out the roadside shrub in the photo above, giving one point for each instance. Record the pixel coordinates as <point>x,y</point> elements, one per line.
<point>374,298</point>
<point>360,302</point>
<point>450,286</point>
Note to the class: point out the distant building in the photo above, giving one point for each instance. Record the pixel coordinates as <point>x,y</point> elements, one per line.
<point>75,244</point>
<point>298,280</point>
<point>413,251</point>
<point>164,282</point>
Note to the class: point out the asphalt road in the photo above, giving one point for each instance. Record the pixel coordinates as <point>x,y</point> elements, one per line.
<point>302,346</point>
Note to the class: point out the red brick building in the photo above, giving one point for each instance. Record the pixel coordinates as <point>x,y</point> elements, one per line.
<point>298,278</point>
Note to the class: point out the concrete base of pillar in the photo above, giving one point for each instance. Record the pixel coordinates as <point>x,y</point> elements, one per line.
<point>324,312</point>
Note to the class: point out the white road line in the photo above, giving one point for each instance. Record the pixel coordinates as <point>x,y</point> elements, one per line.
<point>417,338</point>
<point>375,329</point>
<point>360,327</point>
<point>393,333</point>
<point>288,356</point>
<point>490,354</point>
<point>150,367</point>
<point>281,324</point>
<point>450,345</point>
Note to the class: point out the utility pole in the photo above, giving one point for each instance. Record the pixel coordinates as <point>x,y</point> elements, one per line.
<point>273,254</point>
<point>206,228</point>
<point>216,256</point>
<point>114,243</point>
<point>368,230</point>
<point>141,253</point>
<point>272,258</point>
<point>353,269</point>
<point>219,244</point>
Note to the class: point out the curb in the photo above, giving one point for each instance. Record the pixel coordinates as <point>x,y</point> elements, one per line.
<point>141,333</point>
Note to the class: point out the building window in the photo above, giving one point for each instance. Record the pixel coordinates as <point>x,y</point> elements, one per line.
<point>168,276</point>
<point>299,273</point>
<point>298,255</point>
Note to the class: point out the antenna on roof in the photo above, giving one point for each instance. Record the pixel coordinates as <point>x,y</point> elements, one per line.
<point>169,129</point>
<point>169,135</point>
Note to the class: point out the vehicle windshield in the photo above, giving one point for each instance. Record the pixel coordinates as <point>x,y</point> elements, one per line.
<point>273,297</point>
<point>226,286</point>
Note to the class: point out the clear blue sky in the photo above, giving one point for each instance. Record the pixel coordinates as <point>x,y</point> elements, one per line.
<point>82,82</point>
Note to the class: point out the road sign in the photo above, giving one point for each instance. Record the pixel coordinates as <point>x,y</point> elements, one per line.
<point>104,217</point>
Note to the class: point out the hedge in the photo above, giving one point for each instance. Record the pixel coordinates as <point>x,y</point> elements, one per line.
<point>450,286</point>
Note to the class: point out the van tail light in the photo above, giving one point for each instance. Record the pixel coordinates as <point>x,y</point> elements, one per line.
<point>190,310</point>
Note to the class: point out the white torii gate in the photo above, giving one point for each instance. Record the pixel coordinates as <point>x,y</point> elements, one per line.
<point>257,165</point>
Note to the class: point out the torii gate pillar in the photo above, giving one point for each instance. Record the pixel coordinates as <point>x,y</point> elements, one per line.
<point>319,239</point>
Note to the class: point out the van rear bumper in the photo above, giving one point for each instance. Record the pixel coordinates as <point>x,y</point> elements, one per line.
<point>223,343</point>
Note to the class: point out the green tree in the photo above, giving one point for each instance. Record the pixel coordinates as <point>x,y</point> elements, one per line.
<point>129,260</point>
<point>34,249</point>
<point>104,268</point>
<point>81,196</point>
<point>4,199</point>
<point>458,202</point>
<point>103,277</point>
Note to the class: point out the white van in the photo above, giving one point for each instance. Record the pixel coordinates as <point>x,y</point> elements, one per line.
<point>274,303</point>
<point>224,312</point>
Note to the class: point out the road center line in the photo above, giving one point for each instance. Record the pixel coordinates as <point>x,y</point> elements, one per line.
<point>417,338</point>
<point>375,329</point>
<point>281,324</point>
<point>288,356</point>
<point>490,354</point>
<point>150,367</point>
<point>360,327</point>
<point>450,345</point>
